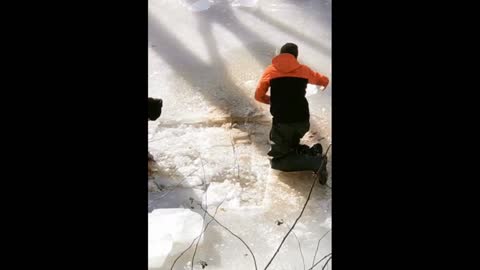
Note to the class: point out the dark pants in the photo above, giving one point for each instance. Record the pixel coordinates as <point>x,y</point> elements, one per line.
<point>285,144</point>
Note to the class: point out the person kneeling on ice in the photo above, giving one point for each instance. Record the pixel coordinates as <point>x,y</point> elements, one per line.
<point>288,80</point>
<point>154,112</point>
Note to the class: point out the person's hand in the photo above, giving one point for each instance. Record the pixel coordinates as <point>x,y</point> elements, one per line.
<point>326,84</point>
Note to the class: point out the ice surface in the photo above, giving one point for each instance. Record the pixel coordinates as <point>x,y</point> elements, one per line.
<point>244,3</point>
<point>210,144</point>
<point>170,231</point>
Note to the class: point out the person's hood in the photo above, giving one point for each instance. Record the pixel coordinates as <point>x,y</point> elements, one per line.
<point>285,62</point>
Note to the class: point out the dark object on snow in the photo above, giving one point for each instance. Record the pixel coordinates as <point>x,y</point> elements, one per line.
<point>203,264</point>
<point>279,222</point>
<point>154,108</point>
<point>154,112</point>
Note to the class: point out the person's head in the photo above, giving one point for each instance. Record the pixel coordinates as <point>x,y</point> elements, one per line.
<point>290,48</point>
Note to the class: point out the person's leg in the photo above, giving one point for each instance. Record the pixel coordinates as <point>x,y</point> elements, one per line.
<point>287,153</point>
<point>297,162</point>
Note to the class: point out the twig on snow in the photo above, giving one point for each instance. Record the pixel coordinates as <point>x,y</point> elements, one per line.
<point>318,245</point>
<point>251,252</point>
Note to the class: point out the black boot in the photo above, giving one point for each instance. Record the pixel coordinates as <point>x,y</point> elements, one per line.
<point>316,150</point>
<point>302,149</point>
<point>323,173</point>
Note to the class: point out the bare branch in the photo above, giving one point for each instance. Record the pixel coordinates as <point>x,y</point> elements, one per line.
<point>325,265</point>
<point>298,218</point>
<point>251,252</point>
<point>206,226</point>
<point>318,245</point>
<point>329,254</point>
<point>299,247</point>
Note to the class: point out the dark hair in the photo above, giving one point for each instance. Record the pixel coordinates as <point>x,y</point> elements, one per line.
<point>290,48</point>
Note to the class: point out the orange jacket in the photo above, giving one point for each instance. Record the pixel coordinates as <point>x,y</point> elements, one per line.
<point>286,65</point>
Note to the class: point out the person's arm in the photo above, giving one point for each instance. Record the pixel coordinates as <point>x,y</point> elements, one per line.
<point>262,88</point>
<point>317,78</point>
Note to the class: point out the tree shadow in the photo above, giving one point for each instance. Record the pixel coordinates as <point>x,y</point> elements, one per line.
<point>289,30</point>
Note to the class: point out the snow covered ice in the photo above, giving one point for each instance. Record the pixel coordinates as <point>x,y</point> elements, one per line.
<point>210,143</point>
<point>170,231</point>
